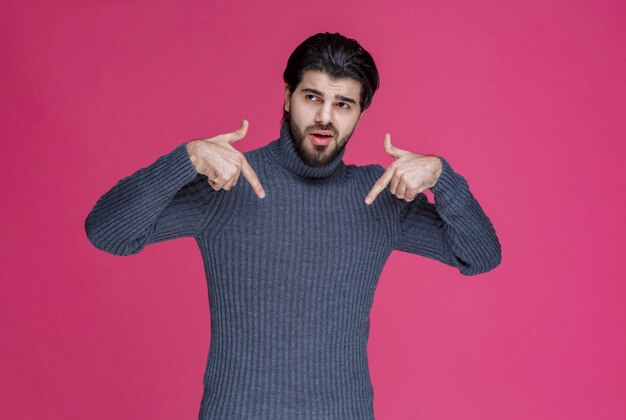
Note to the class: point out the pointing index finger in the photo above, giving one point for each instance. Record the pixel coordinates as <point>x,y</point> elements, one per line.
<point>252,178</point>
<point>380,185</point>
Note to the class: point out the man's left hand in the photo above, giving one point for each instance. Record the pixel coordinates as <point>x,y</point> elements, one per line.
<point>409,174</point>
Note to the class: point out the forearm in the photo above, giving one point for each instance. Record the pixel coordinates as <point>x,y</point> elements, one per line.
<point>469,234</point>
<point>123,218</point>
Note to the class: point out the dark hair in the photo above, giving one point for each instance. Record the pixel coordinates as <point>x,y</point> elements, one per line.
<point>339,57</point>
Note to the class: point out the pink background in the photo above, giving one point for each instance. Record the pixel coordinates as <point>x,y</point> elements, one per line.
<point>526,100</point>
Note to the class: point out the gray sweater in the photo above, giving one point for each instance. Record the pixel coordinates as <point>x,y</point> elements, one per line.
<point>291,277</point>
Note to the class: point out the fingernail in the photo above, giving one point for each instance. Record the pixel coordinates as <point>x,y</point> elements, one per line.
<point>368,200</point>
<point>262,194</point>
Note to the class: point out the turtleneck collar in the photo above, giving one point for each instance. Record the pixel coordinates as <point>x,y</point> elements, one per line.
<point>285,153</point>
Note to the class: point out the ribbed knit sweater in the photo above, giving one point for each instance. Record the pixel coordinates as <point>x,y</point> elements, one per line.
<point>291,277</point>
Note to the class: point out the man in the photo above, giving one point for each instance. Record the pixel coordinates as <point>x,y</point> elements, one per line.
<point>293,255</point>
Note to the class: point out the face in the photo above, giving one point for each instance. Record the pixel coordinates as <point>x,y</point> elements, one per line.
<point>323,113</point>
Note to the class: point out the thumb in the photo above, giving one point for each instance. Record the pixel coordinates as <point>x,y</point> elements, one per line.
<point>238,134</point>
<point>391,149</point>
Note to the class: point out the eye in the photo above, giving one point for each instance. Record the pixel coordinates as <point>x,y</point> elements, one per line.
<point>341,105</point>
<point>312,97</point>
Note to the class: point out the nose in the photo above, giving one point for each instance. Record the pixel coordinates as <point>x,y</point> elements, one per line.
<point>324,113</point>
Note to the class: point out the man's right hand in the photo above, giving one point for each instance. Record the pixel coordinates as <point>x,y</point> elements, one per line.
<point>222,163</point>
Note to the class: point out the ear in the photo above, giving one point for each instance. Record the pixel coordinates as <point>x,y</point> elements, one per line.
<point>287,97</point>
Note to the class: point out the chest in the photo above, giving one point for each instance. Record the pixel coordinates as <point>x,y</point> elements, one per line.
<point>308,224</point>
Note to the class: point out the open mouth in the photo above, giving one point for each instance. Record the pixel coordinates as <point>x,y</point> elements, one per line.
<point>320,139</point>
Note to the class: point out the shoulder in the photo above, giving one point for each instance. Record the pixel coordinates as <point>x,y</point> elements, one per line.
<point>256,156</point>
<point>371,170</point>
<point>366,175</point>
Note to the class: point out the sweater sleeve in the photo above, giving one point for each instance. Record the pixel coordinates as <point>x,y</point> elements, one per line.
<point>165,200</point>
<point>454,230</point>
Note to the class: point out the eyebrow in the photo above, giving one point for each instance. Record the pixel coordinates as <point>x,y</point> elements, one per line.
<point>339,97</point>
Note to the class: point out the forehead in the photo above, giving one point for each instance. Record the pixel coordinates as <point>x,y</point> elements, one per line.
<point>330,87</point>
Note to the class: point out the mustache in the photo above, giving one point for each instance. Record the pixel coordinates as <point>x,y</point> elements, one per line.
<point>323,128</point>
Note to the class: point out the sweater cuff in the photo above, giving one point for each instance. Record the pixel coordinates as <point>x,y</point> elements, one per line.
<point>451,186</point>
<point>179,159</point>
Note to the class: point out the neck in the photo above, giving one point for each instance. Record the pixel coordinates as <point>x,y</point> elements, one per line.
<point>285,153</point>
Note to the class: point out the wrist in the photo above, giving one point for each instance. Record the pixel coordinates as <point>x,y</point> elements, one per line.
<point>191,152</point>
<point>438,168</point>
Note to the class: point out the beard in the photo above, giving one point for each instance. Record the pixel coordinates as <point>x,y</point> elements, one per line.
<point>321,155</point>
